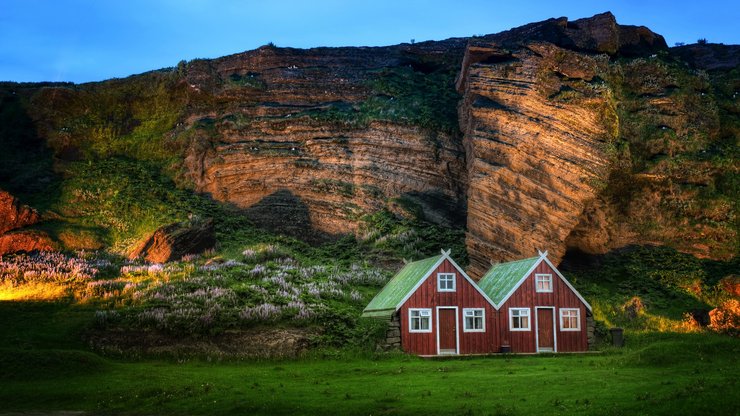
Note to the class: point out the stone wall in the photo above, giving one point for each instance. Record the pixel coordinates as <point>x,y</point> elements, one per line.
<point>392,334</point>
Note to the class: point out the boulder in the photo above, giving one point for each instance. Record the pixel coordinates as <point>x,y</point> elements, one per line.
<point>25,241</point>
<point>13,214</point>
<point>173,241</point>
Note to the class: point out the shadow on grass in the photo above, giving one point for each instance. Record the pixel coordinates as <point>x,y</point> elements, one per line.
<point>668,283</point>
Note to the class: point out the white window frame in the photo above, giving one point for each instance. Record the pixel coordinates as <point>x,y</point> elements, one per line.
<point>511,319</point>
<point>578,319</point>
<point>482,318</point>
<point>423,313</point>
<point>439,280</point>
<point>537,277</point>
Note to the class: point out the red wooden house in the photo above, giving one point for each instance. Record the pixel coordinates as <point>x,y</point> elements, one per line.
<point>538,309</point>
<point>521,306</point>
<point>438,309</point>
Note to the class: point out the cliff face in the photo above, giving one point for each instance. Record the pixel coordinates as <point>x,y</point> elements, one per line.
<point>314,138</point>
<point>559,135</point>
<point>534,152</point>
<point>538,117</point>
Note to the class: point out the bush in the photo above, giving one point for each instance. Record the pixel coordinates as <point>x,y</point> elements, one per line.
<point>726,318</point>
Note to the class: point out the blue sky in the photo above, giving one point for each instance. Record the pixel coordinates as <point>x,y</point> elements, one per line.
<point>91,40</point>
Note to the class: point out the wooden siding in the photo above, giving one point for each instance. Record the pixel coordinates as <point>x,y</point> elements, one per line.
<point>526,296</point>
<point>465,296</point>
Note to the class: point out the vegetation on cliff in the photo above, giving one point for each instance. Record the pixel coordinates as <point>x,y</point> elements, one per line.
<point>405,96</point>
<point>676,157</point>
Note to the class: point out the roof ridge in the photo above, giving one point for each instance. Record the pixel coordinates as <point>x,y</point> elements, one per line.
<point>502,277</point>
<point>516,261</point>
<point>424,259</point>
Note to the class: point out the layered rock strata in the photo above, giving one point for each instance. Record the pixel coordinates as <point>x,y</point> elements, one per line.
<point>533,159</point>
<point>297,147</point>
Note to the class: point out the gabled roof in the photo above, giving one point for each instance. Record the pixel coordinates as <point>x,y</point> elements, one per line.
<point>394,292</point>
<point>502,278</point>
<point>398,290</point>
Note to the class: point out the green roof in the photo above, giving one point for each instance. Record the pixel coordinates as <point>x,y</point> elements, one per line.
<point>385,302</point>
<point>503,277</point>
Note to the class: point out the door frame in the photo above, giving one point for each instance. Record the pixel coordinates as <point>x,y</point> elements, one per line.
<point>457,329</point>
<point>537,329</point>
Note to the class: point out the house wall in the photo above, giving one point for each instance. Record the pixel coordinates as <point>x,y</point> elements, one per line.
<point>465,296</point>
<point>526,296</point>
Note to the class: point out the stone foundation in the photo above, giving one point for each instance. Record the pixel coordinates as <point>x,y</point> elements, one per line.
<point>392,334</point>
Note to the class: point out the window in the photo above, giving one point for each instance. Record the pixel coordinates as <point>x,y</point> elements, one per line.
<point>519,319</point>
<point>543,282</point>
<point>420,320</point>
<point>474,320</point>
<point>570,319</point>
<point>446,282</point>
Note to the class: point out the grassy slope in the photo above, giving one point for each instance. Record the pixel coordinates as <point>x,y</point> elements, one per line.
<point>45,366</point>
<point>667,283</point>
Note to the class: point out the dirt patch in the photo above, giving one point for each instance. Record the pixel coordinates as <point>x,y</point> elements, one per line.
<point>250,343</point>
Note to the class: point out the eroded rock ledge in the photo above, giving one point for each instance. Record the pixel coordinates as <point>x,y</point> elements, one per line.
<point>532,158</point>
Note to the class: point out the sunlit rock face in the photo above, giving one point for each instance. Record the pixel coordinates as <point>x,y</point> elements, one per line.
<point>533,159</point>
<point>13,217</point>
<point>26,241</point>
<point>537,116</point>
<point>289,138</point>
<point>13,214</point>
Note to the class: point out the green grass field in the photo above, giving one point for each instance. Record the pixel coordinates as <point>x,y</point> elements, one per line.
<point>45,367</point>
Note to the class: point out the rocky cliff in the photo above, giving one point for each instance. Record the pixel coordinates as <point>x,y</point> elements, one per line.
<point>538,116</point>
<point>583,135</point>
<point>312,138</point>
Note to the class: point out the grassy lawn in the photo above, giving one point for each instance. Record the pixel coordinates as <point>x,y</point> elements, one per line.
<point>44,368</point>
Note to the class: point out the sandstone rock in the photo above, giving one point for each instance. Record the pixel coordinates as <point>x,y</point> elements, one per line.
<point>599,33</point>
<point>633,308</point>
<point>531,160</point>
<point>313,177</point>
<point>25,241</point>
<point>173,241</point>
<point>13,214</point>
<point>731,285</point>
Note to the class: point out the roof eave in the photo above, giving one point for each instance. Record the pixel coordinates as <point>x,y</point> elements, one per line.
<point>378,313</point>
